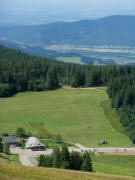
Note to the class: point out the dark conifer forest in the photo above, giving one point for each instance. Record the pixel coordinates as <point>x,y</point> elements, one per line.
<point>20,72</point>
<point>121,90</point>
<point>65,160</point>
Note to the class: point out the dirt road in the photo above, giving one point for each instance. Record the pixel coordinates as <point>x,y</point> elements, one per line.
<point>86,88</point>
<point>28,157</point>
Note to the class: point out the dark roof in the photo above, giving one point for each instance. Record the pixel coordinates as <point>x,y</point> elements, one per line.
<point>9,139</point>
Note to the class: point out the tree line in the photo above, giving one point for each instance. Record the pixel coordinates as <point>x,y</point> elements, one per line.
<point>121,90</point>
<point>23,72</point>
<point>66,160</point>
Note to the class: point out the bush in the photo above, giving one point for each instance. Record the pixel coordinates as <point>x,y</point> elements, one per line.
<point>22,143</point>
<point>1,146</point>
<point>58,139</point>
<point>21,132</point>
<point>6,148</point>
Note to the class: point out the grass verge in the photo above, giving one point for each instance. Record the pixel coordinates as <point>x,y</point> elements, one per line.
<point>13,172</point>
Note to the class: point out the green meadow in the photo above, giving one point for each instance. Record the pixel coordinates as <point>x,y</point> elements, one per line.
<point>79,116</point>
<point>75,59</point>
<point>114,164</point>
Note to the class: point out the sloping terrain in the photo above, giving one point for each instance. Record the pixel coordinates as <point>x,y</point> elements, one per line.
<point>112,30</point>
<point>77,115</point>
<point>13,172</point>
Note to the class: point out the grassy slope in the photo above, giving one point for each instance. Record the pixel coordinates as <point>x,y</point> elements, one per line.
<point>113,164</point>
<point>112,116</point>
<point>12,172</point>
<point>76,59</point>
<point>75,114</point>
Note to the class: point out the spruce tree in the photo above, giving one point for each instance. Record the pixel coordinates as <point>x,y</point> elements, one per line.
<point>75,161</point>
<point>129,97</point>
<point>41,160</point>
<point>65,157</point>
<point>56,158</point>
<point>48,161</point>
<point>79,79</point>
<point>87,164</point>
<point>52,81</point>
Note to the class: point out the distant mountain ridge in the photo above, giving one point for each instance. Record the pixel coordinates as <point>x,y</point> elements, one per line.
<point>112,30</point>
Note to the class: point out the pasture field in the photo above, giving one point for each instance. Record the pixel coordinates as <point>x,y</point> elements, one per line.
<point>75,59</point>
<point>13,172</point>
<point>114,164</point>
<point>79,116</point>
<point>120,55</point>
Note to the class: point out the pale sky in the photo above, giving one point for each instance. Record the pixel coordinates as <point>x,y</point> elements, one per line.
<point>74,4</point>
<point>47,11</point>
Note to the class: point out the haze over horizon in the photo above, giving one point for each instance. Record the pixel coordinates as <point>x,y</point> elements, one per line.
<point>14,12</point>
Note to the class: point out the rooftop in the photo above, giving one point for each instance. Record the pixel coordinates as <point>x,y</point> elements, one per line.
<point>33,142</point>
<point>9,139</point>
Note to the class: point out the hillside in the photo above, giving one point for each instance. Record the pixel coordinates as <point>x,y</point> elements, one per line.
<point>70,57</point>
<point>112,30</point>
<point>13,172</point>
<point>36,50</point>
<point>91,111</point>
<point>75,114</point>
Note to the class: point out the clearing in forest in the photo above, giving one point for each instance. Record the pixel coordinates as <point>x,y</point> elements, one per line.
<point>79,116</point>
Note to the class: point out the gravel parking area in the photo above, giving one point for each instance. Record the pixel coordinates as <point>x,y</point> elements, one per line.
<point>28,157</point>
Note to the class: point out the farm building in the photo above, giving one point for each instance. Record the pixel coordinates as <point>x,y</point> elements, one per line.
<point>11,140</point>
<point>34,144</point>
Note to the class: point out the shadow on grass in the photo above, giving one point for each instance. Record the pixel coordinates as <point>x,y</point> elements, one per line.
<point>112,116</point>
<point>4,157</point>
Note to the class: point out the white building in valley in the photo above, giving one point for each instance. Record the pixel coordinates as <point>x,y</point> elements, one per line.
<point>34,144</point>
